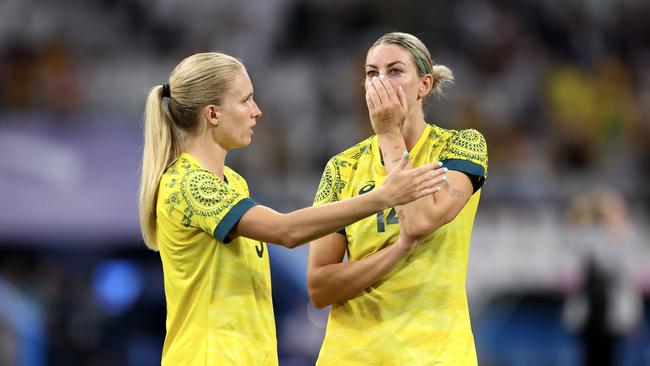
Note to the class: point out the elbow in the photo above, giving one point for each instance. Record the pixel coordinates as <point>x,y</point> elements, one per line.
<point>287,236</point>
<point>415,232</point>
<point>318,301</point>
<point>315,294</point>
<point>420,229</point>
<point>289,240</point>
<point>322,306</point>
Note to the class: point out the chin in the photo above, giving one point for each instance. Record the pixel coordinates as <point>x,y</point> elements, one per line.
<point>244,142</point>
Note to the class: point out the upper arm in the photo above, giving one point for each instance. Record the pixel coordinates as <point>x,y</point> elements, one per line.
<point>453,196</point>
<point>329,249</point>
<point>465,155</point>
<point>259,223</point>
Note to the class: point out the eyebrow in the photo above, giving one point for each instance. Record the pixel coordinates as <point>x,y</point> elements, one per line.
<point>389,65</point>
<point>248,95</point>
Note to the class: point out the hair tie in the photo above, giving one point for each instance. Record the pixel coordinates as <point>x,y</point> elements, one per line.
<point>166,92</point>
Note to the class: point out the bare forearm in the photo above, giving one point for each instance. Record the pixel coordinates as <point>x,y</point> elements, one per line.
<point>300,226</point>
<point>314,222</point>
<point>338,282</point>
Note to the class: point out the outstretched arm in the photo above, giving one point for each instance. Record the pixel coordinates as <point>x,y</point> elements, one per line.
<point>297,227</point>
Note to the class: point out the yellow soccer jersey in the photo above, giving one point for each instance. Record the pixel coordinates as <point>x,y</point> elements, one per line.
<point>416,314</point>
<point>219,309</point>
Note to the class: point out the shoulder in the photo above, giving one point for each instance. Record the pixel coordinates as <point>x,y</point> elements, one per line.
<point>468,144</point>
<point>339,170</point>
<point>236,181</point>
<point>350,157</point>
<point>466,151</point>
<point>188,187</point>
<point>171,181</point>
<point>470,138</point>
<point>193,179</point>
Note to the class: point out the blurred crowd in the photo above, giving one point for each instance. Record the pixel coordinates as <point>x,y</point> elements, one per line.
<point>560,89</point>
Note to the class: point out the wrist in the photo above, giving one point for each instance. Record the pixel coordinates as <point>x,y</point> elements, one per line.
<point>392,146</point>
<point>402,248</point>
<point>391,136</point>
<point>381,197</point>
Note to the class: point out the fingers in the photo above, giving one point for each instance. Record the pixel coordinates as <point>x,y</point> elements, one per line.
<point>425,189</point>
<point>402,97</point>
<point>430,178</point>
<point>429,191</point>
<point>438,180</point>
<point>371,93</point>
<point>436,167</point>
<point>392,93</point>
<point>378,85</point>
<point>402,162</point>
<point>431,186</point>
<point>385,92</point>
<point>369,102</point>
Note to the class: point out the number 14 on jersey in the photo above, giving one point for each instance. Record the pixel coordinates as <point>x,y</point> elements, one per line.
<point>390,219</point>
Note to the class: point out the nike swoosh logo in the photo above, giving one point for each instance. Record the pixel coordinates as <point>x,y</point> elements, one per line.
<point>260,250</point>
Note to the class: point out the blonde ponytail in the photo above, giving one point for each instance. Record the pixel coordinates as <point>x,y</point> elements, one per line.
<point>442,76</point>
<point>161,148</point>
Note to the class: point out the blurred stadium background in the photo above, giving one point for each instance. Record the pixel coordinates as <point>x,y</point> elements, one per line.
<point>560,257</point>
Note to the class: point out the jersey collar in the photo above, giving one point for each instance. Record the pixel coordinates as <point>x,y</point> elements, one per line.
<point>196,163</point>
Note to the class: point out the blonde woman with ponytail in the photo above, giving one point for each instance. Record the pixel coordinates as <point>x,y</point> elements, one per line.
<point>197,213</point>
<point>410,311</point>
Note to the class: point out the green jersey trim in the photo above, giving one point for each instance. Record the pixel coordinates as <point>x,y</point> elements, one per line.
<point>475,171</point>
<point>232,218</point>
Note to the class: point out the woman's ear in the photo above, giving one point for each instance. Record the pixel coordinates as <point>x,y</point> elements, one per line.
<point>212,114</point>
<point>426,83</point>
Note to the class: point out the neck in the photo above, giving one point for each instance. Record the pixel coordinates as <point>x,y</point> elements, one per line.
<point>209,154</point>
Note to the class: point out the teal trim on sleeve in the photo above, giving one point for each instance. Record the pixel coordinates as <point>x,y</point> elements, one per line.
<point>232,218</point>
<point>474,171</point>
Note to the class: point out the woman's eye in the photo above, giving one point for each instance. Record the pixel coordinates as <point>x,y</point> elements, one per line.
<point>371,74</point>
<point>395,71</point>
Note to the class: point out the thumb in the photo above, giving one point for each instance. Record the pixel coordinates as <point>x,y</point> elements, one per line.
<point>403,161</point>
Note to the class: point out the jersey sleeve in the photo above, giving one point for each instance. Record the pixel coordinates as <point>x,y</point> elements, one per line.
<point>331,185</point>
<point>466,152</point>
<point>210,204</point>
